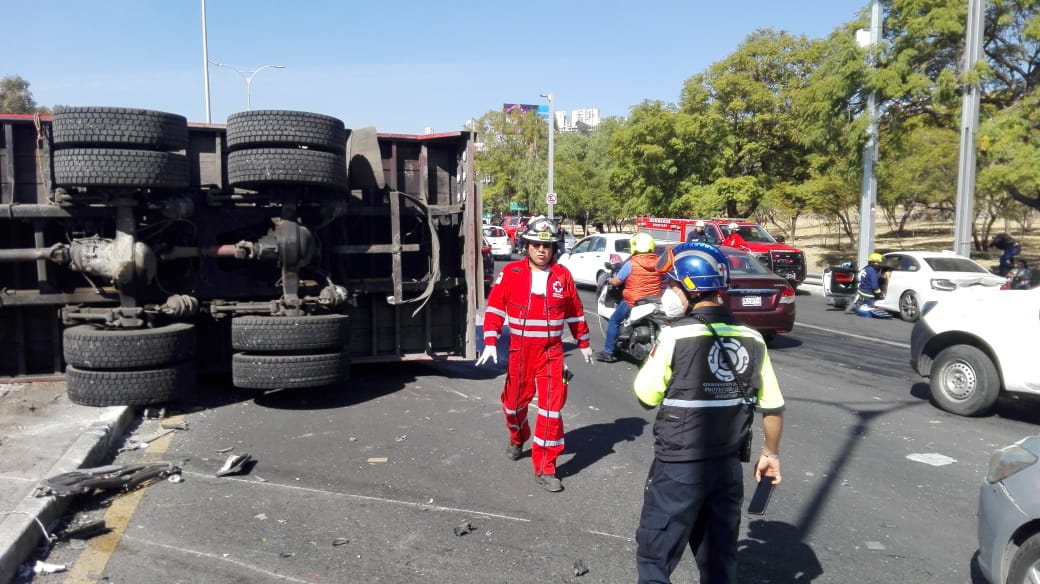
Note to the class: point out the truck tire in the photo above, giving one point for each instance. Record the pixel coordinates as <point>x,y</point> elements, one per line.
<point>109,167</point>
<point>88,347</point>
<point>258,167</point>
<point>260,371</point>
<point>267,128</point>
<point>118,127</point>
<point>140,387</point>
<point>964,381</point>
<point>289,334</point>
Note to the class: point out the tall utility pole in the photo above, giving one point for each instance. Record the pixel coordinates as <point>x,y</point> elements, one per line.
<point>868,192</point>
<point>550,194</point>
<point>205,62</point>
<point>965,207</point>
<point>248,76</point>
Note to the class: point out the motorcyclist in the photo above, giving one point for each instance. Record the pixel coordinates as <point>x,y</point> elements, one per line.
<point>868,290</point>
<point>640,278</point>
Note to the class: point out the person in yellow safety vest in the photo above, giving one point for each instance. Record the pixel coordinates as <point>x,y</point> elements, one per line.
<point>640,278</point>
<point>869,288</point>
<point>708,373</point>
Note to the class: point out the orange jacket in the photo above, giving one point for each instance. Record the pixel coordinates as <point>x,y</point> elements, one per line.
<point>643,280</point>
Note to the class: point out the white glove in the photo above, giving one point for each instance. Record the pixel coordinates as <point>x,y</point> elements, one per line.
<point>587,354</point>
<point>490,352</point>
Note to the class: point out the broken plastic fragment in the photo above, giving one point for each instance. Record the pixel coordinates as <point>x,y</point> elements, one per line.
<point>234,464</point>
<point>580,569</point>
<point>340,541</point>
<point>42,567</point>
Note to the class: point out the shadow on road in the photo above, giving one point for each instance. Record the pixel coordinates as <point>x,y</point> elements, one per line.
<point>774,552</point>
<point>1021,408</point>
<point>593,443</point>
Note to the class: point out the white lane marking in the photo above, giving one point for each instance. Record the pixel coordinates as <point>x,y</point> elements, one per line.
<point>364,497</point>
<point>130,537</point>
<point>862,337</point>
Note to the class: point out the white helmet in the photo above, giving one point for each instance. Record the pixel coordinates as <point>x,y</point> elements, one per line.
<point>699,224</point>
<point>733,227</point>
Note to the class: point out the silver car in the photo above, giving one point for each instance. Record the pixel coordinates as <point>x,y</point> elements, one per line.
<point>1009,515</point>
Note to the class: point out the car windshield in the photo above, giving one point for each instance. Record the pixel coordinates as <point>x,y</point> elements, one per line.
<point>743,264</point>
<point>954,264</point>
<point>494,232</point>
<point>755,233</point>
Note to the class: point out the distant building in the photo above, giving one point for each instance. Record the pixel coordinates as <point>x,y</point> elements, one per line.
<point>564,122</point>
<point>588,116</point>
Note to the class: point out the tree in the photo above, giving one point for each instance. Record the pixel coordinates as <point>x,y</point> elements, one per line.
<point>511,158</point>
<point>15,97</point>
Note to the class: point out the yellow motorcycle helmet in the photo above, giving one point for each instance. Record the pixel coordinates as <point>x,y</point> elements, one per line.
<point>641,243</point>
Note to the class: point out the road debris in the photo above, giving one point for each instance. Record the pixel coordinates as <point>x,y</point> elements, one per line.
<point>235,464</point>
<point>43,567</point>
<point>378,460</point>
<point>340,541</point>
<point>464,528</point>
<point>580,569</point>
<point>85,531</point>
<point>932,458</point>
<point>223,450</point>
<point>124,477</point>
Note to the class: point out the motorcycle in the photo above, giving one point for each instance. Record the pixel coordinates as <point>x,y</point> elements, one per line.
<point>638,333</point>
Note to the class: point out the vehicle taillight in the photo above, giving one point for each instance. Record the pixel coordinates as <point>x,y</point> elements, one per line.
<point>787,296</point>
<point>842,278</point>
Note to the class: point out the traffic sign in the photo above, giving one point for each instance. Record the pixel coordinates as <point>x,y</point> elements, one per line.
<point>550,198</point>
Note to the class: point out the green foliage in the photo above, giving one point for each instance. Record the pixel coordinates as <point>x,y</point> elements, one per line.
<point>15,97</point>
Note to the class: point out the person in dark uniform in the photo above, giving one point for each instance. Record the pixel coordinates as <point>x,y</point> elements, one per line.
<point>708,373</point>
<point>698,233</point>
<point>1011,248</point>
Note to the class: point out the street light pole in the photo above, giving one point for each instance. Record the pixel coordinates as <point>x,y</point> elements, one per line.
<point>552,131</point>
<point>205,62</point>
<point>965,207</point>
<point>868,191</point>
<point>248,76</point>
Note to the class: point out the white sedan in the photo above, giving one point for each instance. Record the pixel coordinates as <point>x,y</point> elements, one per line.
<point>499,240</point>
<point>587,259</point>
<point>917,277</point>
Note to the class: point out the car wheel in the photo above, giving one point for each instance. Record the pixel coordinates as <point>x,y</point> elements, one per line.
<point>909,307</point>
<point>1025,566</point>
<point>964,381</point>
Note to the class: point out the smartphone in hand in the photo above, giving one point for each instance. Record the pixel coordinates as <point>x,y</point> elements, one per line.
<point>760,499</point>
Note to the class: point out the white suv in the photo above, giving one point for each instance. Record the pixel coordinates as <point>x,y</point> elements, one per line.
<point>974,346</point>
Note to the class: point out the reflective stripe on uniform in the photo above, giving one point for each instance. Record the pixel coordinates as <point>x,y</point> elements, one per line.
<point>542,442</point>
<point>494,310</point>
<point>702,403</point>
<point>548,414</point>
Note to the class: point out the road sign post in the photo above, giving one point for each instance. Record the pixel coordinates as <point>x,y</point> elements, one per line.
<point>550,198</point>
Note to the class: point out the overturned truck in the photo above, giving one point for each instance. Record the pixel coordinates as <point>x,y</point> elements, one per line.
<point>138,250</point>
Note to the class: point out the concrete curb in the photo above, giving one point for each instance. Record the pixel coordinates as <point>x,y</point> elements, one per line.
<point>20,533</point>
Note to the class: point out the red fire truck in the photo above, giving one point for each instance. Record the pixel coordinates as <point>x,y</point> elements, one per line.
<point>786,261</point>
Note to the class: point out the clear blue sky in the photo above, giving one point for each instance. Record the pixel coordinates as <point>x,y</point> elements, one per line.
<point>399,66</point>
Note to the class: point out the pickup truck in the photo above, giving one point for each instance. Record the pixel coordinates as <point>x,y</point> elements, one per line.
<point>972,347</point>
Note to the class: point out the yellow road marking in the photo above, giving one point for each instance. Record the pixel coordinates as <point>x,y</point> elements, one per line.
<point>89,567</point>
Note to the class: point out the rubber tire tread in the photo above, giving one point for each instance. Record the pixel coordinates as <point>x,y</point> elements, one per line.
<point>88,347</point>
<point>288,334</point>
<point>1025,557</point>
<point>986,375</point>
<point>118,127</point>
<point>260,371</point>
<point>141,387</point>
<point>267,128</point>
<point>257,167</point>
<point>109,167</point>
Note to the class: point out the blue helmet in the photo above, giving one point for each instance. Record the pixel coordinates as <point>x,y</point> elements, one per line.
<point>696,266</point>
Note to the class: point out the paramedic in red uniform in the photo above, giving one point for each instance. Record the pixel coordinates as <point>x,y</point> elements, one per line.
<point>536,297</point>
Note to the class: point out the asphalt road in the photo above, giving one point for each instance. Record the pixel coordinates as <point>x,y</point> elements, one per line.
<point>375,481</point>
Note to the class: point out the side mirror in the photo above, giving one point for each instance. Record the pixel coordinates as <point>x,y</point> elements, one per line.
<point>781,238</point>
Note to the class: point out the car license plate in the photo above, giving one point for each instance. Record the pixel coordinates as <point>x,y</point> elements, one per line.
<point>751,301</point>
